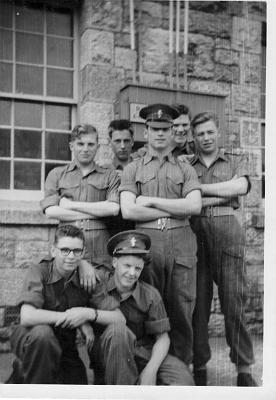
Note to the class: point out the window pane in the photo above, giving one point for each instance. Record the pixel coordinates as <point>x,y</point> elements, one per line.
<point>5,178</point>
<point>27,175</point>
<point>29,79</point>
<point>59,83</point>
<point>59,23</point>
<point>27,144</point>
<point>5,14</point>
<point>6,77</point>
<point>58,117</point>
<point>57,146</point>
<point>59,52</point>
<point>5,44</point>
<point>29,48</point>
<point>29,19</point>
<point>5,112</point>
<point>49,167</point>
<point>28,114</point>
<point>5,143</point>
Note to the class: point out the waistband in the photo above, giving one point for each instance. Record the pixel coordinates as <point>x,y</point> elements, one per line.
<point>163,223</point>
<point>85,224</point>
<point>216,211</point>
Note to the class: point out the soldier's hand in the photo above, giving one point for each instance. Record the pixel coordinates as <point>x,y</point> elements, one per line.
<point>65,203</point>
<point>74,317</point>
<point>88,334</point>
<point>88,276</point>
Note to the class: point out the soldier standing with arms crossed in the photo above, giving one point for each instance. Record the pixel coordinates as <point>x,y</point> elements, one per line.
<point>221,244</point>
<point>159,193</point>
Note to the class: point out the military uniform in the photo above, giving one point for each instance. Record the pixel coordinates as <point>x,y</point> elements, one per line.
<point>122,351</point>
<point>221,248</point>
<point>173,267</point>
<point>49,355</point>
<point>99,184</point>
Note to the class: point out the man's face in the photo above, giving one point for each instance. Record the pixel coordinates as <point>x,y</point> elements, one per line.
<point>85,148</point>
<point>206,137</point>
<point>128,268</point>
<point>159,139</point>
<point>67,263</point>
<point>181,127</point>
<point>122,143</point>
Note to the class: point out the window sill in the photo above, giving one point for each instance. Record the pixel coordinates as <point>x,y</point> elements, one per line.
<point>23,213</point>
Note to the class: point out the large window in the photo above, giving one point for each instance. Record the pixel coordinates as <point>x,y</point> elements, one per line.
<point>38,94</point>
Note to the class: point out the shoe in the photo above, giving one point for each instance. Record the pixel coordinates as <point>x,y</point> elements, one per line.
<point>245,379</point>
<point>200,377</point>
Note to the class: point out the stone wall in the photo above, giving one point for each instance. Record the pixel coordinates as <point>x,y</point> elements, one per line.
<point>224,58</point>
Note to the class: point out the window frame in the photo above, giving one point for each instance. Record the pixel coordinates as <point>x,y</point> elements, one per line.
<point>36,195</point>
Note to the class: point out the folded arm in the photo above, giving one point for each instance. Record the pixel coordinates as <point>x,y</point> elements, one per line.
<point>179,208</point>
<point>96,209</point>
<point>31,316</point>
<point>214,201</point>
<point>133,211</point>
<point>63,214</point>
<point>233,187</point>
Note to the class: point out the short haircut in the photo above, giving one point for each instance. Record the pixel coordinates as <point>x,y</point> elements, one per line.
<point>120,125</point>
<point>83,129</point>
<point>68,231</point>
<point>182,109</point>
<point>204,117</point>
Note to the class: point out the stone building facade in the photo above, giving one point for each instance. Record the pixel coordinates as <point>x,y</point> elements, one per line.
<point>226,56</point>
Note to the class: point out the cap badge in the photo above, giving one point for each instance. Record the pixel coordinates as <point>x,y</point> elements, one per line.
<point>159,114</point>
<point>133,241</point>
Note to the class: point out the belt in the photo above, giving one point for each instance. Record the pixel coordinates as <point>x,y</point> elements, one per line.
<point>85,224</point>
<point>163,223</point>
<point>216,211</point>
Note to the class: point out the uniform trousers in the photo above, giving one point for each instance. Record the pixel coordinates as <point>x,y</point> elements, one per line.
<point>173,272</point>
<point>45,359</point>
<point>118,356</point>
<point>221,247</point>
<point>95,246</point>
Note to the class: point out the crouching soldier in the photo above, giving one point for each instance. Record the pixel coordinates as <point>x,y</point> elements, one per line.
<point>135,352</point>
<point>46,347</point>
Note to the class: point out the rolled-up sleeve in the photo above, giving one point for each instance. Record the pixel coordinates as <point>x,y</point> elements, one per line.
<point>242,168</point>
<point>113,188</point>
<point>157,322</point>
<point>51,194</point>
<point>128,181</point>
<point>191,180</point>
<point>32,290</point>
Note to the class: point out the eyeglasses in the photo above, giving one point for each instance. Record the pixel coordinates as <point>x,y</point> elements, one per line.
<point>65,251</point>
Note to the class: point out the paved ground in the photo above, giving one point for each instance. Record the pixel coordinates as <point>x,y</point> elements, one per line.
<point>220,370</point>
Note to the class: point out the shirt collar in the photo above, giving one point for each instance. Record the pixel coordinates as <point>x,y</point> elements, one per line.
<point>220,154</point>
<point>149,156</point>
<point>73,165</point>
<point>55,277</point>
<point>135,293</point>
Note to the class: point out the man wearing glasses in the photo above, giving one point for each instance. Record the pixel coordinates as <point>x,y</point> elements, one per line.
<point>45,348</point>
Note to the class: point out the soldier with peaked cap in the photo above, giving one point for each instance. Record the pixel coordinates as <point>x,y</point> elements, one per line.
<point>134,352</point>
<point>160,193</point>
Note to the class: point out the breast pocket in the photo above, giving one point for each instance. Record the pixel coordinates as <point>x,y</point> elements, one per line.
<point>145,182</point>
<point>222,173</point>
<point>175,182</point>
<point>97,188</point>
<point>69,190</point>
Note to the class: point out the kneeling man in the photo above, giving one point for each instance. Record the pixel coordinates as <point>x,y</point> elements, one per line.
<point>135,352</point>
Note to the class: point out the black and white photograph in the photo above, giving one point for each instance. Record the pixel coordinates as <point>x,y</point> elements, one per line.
<point>133,199</point>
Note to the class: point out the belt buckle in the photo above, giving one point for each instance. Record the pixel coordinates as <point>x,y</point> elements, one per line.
<point>80,224</point>
<point>162,223</point>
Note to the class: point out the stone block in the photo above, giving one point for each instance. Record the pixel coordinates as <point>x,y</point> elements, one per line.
<point>29,251</point>
<point>209,24</point>
<point>155,45</point>
<point>232,132</point>
<point>152,79</point>
<point>208,86</point>
<point>250,68</point>
<point>254,197</point>
<point>227,57</point>
<point>104,155</point>
<point>213,7</point>
<point>151,14</point>
<point>96,47</point>
<point>101,14</point>
<point>122,39</point>
<point>246,100</point>
<point>98,114</point>
<point>10,232</point>
<point>125,58</point>
<point>250,132</point>
<point>10,285</point>
<point>256,9</point>
<point>258,220</point>
<point>101,82</point>
<point>246,35</point>
<point>227,73</point>
<point>222,43</point>
<point>255,237</point>
<point>7,253</point>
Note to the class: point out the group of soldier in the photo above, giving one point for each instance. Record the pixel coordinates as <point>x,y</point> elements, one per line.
<point>138,247</point>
